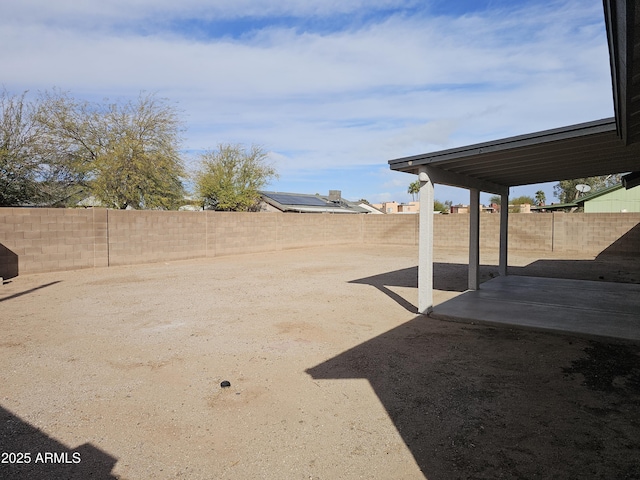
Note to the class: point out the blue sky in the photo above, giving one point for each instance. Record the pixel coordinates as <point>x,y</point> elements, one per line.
<point>333,89</point>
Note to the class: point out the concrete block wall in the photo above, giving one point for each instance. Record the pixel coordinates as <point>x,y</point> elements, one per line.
<point>297,230</point>
<point>155,236</point>
<point>230,233</point>
<point>42,240</point>
<point>47,239</point>
<point>530,232</point>
<point>390,229</point>
<point>597,233</point>
<point>452,232</point>
<point>344,229</point>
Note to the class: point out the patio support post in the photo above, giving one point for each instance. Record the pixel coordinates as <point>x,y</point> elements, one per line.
<point>474,239</point>
<point>504,235</point>
<point>425,244</point>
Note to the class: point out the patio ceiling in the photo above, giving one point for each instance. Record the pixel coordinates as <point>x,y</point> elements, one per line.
<point>583,150</point>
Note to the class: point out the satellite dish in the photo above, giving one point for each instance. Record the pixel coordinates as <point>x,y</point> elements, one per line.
<point>582,188</point>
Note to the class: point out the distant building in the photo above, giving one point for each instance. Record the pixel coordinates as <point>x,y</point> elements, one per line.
<point>411,207</point>
<point>459,208</point>
<point>386,207</point>
<point>395,207</point>
<point>493,208</point>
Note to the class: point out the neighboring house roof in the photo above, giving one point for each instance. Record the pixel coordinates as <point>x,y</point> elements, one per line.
<point>579,201</point>
<point>599,196</point>
<point>371,209</point>
<point>556,206</point>
<point>612,199</point>
<point>305,203</point>
<point>598,193</point>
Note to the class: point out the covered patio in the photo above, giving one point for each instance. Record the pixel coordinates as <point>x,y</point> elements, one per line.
<point>601,147</point>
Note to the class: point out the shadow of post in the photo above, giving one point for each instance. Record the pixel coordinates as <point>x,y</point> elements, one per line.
<point>48,459</point>
<point>451,277</point>
<point>8,263</point>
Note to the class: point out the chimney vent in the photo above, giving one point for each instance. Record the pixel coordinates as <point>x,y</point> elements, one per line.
<point>335,196</point>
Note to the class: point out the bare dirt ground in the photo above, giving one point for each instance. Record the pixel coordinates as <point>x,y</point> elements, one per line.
<point>115,373</point>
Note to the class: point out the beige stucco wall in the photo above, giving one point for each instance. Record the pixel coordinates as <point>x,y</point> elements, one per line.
<point>42,240</point>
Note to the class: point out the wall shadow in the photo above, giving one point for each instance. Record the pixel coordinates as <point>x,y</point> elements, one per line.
<point>17,436</point>
<point>627,245</point>
<point>8,263</point>
<point>26,292</point>
<point>473,401</point>
<point>609,269</point>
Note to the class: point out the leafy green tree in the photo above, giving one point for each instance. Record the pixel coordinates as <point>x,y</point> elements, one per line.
<point>438,206</point>
<point>18,160</point>
<point>566,191</point>
<point>516,202</point>
<point>128,152</point>
<point>32,172</point>
<point>230,177</point>
<point>522,200</point>
<point>540,198</point>
<point>414,189</point>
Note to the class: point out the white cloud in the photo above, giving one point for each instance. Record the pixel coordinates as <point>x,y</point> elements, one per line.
<point>398,86</point>
<point>103,13</point>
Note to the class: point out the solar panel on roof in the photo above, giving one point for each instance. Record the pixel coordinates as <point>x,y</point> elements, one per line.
<point>292,199</point>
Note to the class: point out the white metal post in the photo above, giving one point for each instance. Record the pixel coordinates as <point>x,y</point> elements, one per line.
<point>425,244</point>
<point>474,239</point>
<point>504,233</point>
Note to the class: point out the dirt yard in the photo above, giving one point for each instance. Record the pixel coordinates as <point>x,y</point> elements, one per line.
<point>115,373</point>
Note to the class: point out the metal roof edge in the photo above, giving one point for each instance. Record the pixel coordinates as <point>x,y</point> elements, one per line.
<point>604,125</point>
<point>598,193</point>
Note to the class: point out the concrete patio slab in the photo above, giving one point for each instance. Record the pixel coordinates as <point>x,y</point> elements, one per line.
<point>589,308</point>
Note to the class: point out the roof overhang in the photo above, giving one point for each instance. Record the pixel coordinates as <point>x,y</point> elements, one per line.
<point>577,151</point>
<point>622,19</point>
<point>583,150</point>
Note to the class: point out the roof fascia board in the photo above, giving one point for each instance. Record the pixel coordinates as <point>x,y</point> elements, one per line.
<point>619,25</point>
<point>546,136</point>
<point>445,177</point>
<point>298,209</point>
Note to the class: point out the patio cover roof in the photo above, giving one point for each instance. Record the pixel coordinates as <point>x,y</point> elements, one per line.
<point>601,147</point>
<point>595,148</point>
<point>583,150</point>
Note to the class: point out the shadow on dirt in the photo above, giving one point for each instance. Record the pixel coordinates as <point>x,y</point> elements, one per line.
<point>26,292</point>
<point>453,277</point>
<point>480,402</point>
<point>47,458</point>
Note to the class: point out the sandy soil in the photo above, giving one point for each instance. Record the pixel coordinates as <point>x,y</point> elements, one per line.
<point>116,372</point>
